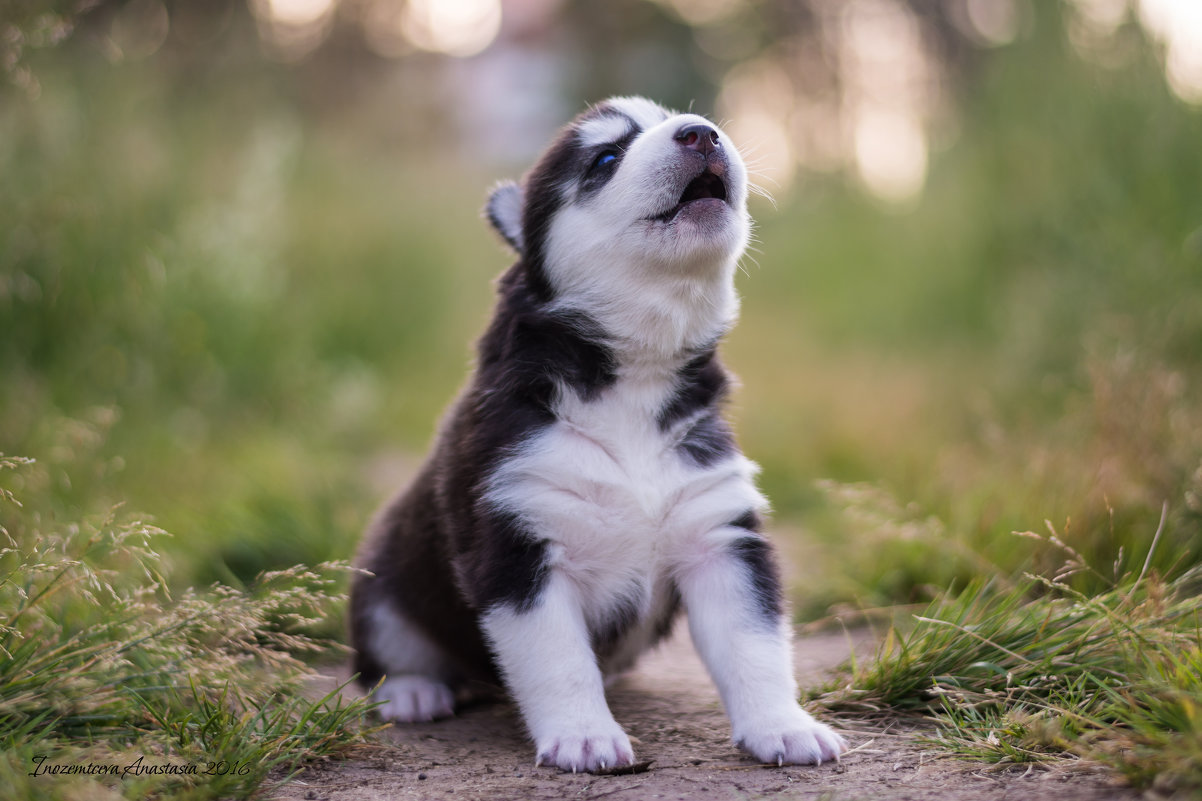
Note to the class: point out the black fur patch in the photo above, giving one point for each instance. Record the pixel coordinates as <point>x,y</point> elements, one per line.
<point>756,552</point>
<point>543,199</point>
<point>616,623</point>
<point>524,358</point>
<point>748,520</point>
<point>545,186</point>
<point>701,384</point>
<point>663,626</point>
<point>622,621</point>
<point>364,663</point>
<point>511,567</point>
<point>701,387</point>
<point>407,550</point>
<point>708,441</point>
<point>596,177</point>
<point>526,354</point>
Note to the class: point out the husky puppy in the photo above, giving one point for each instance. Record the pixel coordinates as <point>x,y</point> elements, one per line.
<point>585,487</point>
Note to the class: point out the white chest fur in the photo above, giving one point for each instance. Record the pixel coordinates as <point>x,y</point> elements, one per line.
<point>618,502</point>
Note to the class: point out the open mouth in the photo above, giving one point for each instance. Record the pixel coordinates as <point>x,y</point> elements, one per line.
<point>705,186</point>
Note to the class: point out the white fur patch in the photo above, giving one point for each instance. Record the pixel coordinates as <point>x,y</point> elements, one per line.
<point>414,690</point>
<point>646,113</point>
<point>549,667</point>
<point>789,736</point>
<point>401,647</point>
<point>412,699</point>
<point>602,130</point>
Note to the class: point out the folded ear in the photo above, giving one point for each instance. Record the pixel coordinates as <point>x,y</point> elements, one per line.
<point>505,212</point>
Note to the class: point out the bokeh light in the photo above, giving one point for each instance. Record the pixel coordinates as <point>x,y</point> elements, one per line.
<point>138,30</point>
<point>890,153</point>
<point>454,27</point>
<point>292,29</point>
<point>705,12</point>
<point>1177,24</point>
<point>888,78</point>
<point>299,12</point>
<point>996,22</point>
<point>755,103</point>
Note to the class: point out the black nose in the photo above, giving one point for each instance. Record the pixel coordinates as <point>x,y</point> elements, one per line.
<point>699,137</point>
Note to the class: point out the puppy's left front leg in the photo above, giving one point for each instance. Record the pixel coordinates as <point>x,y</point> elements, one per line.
<point>549,665</point>
<point>731,591</point>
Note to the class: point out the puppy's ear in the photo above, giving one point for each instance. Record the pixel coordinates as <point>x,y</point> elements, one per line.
<point>504,211</point>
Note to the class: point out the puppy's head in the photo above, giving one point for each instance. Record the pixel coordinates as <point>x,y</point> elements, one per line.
<point>628,192</point>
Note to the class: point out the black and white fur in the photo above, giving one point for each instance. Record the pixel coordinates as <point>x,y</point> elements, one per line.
<point>585,486</point>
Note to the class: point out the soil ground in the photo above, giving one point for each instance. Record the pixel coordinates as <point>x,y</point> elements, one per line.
<point>672,712</point>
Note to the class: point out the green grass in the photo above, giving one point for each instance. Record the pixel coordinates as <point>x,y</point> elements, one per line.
<point>1031,670</point>
<point>104,664</point>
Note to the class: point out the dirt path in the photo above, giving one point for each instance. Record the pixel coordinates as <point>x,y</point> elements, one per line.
<point>671,710</point>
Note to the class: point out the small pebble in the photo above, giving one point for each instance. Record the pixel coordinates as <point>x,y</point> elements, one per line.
<point>421,777</point>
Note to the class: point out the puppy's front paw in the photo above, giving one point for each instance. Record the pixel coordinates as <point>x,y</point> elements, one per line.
<point>414,699</point>
<point>586,750</point>
<point>793,739</point>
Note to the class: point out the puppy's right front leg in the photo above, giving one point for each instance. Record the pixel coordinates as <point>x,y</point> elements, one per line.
<point>551,670</point>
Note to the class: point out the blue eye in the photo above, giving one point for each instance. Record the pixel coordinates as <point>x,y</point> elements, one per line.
<point>605,159</point>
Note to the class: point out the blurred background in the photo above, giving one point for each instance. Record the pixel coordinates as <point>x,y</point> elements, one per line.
<point>242,262</point>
